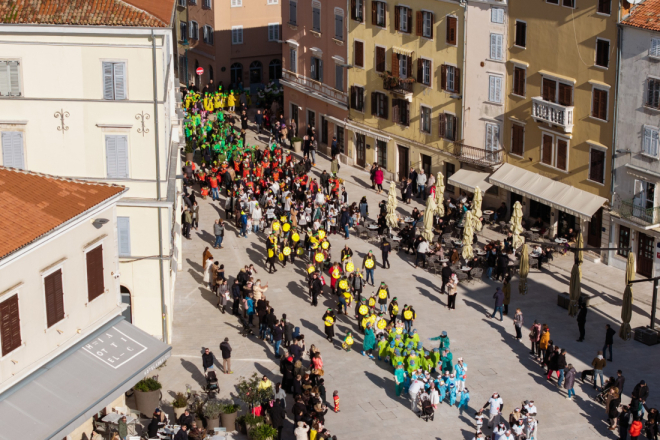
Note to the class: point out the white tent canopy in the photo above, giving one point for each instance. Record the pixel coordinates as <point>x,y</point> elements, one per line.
<point>469,180</point>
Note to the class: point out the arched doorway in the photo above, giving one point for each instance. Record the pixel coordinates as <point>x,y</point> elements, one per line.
<point>126,299</point>
<point>275,70</point>
<point>236,73</point>
<point>256,70</point>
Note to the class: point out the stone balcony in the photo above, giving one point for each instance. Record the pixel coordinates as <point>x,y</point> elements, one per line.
<point>555,114</point>
<point>477,156</point>
<point>314,87</point>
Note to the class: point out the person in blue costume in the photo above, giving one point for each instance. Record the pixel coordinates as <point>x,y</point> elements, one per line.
<point>447,361</point>
<point>442,390</point>
<point>452,394</point>
<point>399,378</point>
<point>465,399</point>
<point>461,374</point>
<point>444,340</point>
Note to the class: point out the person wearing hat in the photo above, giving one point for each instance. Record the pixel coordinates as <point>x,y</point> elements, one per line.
<point>329,319</point>
<point>444,340</point>
<point>461,374</point>
<point>383,295</point>
<point>409,317</point>
<point>495,405</point>
<point>157,421</point>
<point>393,310</point>
<point>369,265</point>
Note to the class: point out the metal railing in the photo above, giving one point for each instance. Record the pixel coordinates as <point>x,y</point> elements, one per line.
<point>477,156</point>
<point>632,211</point>
<point>397,85</point>
<point>555,114</point>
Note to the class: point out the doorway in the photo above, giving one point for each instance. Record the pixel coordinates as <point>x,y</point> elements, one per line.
<point>426,164</point>
<point>595,229</point>
<point>404,161</point>
<point>256,70</point>
<point>450,169</point>
<point>361,149</point>
<point>645,255</point>
<point>294,117</point>
<point>126,299</point>
<point>311,121</point>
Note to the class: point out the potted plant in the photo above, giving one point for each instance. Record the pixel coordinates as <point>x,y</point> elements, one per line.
<point>240,424</point>
<point>190,151</point>
<point>263,432</point>
<point>252,421</point>
<point>212,411</point>
<point>147,395</point>
<point>250,392</point>
<point>297,144</point>
<point>228,416</point>
<point>179,404</point>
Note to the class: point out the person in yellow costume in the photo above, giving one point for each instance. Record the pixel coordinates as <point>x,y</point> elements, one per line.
<point>217,101</point>
<point>208,103</point>
<point>348,341</point>
<point>231,101</point>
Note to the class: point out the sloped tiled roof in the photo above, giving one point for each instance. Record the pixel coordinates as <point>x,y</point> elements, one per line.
<point>645,15</point>
<point>33,204</point>
<point>136,13</point>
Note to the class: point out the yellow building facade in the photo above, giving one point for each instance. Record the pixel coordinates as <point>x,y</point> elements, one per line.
<point>405,81</point>
<point>559,114</point>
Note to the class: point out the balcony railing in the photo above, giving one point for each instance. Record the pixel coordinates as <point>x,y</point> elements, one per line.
<point>397,85</point>
<point>314,85</point>
<point>477,156</point>
<point>555,114</point>
<point>632,211</point>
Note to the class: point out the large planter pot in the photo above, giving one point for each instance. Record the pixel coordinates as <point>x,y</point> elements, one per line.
<point>229,421</point>
<point>189,156</point>
<point>146,401</point>
<point>212,423</point>
<point>297,146</point>
<point>178,412</point>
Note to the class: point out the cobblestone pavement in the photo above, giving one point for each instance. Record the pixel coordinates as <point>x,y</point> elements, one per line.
<point>496,361</point>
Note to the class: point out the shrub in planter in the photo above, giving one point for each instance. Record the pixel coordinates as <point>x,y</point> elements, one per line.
<point>228,415</point>
<point>250,392</point>
<point>212,411</point>
<point>263,432</point>
<point>240,423</point>
<point>179,404</point>
<point>252,421</point>
<point>147,395</point>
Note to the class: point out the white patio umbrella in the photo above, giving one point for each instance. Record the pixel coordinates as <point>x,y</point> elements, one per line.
<point>428,219</point>
<point>468,232</point>
<point>391,217</point>
<point>476,210</point>
<point>440,195</point>
<point>516,225</point>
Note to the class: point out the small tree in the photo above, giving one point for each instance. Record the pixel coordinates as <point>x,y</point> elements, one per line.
<point>250,392</point>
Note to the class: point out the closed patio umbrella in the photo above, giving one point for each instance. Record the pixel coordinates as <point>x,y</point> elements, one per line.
<point>524,269</point>
<point>440,195</point>
<point>428,219</point>
<point>476,207</point>
<point>468,232</point>
<point>575,289</point>
<point>391,217</point>
<point>516,225</point>
<point>625,332</point>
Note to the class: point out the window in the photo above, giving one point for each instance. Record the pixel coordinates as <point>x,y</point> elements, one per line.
<point>654,51</point>
<point>237,35</point>
<point>206,4</point>
<point>181,3</point>
<point>114,81</point>
<point>316,16</point>
<point>194,30</point>
<point>358,53</point>
<point>602,53</point>
<point>599,105</point>
<point>192,2</point>
<point>401,111</point>
<point>521,34</point>
<point>604,6</point>
<point>293,60</point>
<point>12,150</point>
<point>450,78</point>
<point>275,69</point>
<point>519,75</point>
<point>447,126</point>
<point>650,144</point>
<point>208,35</point>
<point>497,15</point>
<point>378,13</point>
<point>116,155</point>
<point>357,10</point>
<point>324,130</point>
<point>381,154</point>
<point>10,325</point>
<point>401,65</point>
<point>236,73</point>
<point>496,41</point>
<point>339,24</point>
<point>492,137</point>
<point>653,94</point>
<point>562,154</point>
<point>183,31</point>
<point>643,197</point>
<point>273,31</point>
<point>450,169</point>
<point>340,139</point>
<point>517,139</point>
<point>236,3</point>
<point>425,24</point>
<point>552,2</point>
<point>357,98</point>
<point>317,69</point>
<point>273,2</point>
<point>495,89</point>
<point>379,105</point>
<point>339,78</point>
<point>95,282</point>
<point>403,19</point>
<point>624,241</point>
<point>562,95</point>
<point>380,59</point>
<point>124,236</point>
<point>424,71</point>
<point>452,25</point>
<point>597,165</point>
<point>546,149</point>
<point>54,298</point>
<point>554,151</point>
<point>293,6</point>
<point>425,119</point>
<point>256,69</point>
<point>569,3</point>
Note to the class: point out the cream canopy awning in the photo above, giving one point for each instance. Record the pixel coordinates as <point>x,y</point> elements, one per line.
<point>469,180</point>
<point>545,190</point>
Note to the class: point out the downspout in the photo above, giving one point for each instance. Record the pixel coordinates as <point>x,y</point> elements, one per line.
<point>464,3</point>
<point>614,132</point>
<point>158,195</point>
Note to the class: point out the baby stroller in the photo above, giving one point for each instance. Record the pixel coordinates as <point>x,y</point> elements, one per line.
<point>426,408</point>
<point>212,387</point>
<point>600,397</point>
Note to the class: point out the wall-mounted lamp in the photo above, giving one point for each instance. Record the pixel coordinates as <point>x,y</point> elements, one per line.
<point>99,222</point>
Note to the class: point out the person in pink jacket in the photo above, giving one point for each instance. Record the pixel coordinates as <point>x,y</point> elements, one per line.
<point>378,179</point>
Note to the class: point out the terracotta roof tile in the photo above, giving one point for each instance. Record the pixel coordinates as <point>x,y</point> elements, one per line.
<point>645,15</point>
<point>33,204</point>
<point>140,13</point>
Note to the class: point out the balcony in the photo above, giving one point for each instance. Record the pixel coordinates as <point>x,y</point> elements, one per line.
<point>397,85</point>
<point>555,114</point>
<point>639,214</point>
<point>477,156</point>
<point>313,88</point>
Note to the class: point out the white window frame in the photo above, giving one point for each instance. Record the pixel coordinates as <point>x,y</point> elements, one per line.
<point>569,7</point>
<point>273,2</point>
<point>602,13</point>
<point>190,30</point>
<point>609,58</point>
<point>114,81</point>
<point>451,88</point>
<point>272,28</point>
<point>515,33</point>
<point>339,12</point>
<point>430,72</point>
<point>654,49</point>
<point>359,7</point>
<point>555,151</point>
<point>596,147</point>
<point>207,4</point>
<point>44,274</point>
<point>128,155</point>
<point>497,138</point>
<point>234,41</point>
<point>293,59</point>
<point>657,141</point>
<point>423,107</point>
<point>425,14</point>
<point>22,134</point>
<point>236,3</point>
<point>492,91</point>
<point>591,105</point>
<point>208,35</point>
<point>181,3</point>
<point>18,77</point>
<point>403,67</point>
<point>403,21</point>
<point>496,14</point>
<point>381,5</point>
<point>493,47</point>
<point>184,33</point>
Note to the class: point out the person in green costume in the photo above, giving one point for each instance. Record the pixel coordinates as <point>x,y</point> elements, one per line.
<point>447,361</point>
<point>399,378</point>
<point>397,358</point>
<point>435,358</point>
<point>369,341</point>
<point>385,349</point>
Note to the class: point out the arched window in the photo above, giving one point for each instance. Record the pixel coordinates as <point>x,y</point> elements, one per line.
<point>126,299</point>
<point>275,70</point>
<point>236,73</point>
<point>210,73</point>
<point>256,69</point>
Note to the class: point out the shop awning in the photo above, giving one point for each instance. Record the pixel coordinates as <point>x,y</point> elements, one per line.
<point>67,391</point>
<point>547,191</point>
<point>469,180</point>
<point>366,132</point>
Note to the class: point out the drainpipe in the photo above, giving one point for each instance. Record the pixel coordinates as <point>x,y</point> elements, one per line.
<point>614,132</point>
<point>464,3</point>
<point>158,195</point>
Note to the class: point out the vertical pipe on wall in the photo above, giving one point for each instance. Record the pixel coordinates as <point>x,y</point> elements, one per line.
<point>464,3</point>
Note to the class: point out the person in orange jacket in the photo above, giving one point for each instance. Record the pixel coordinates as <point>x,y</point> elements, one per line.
<point>635,429</point>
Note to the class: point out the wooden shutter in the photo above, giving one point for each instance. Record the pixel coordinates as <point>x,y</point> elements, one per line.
<point>385,99</point>
<point>546,157</point>
<point>10,325</point>
<point>360,98</point>
<point>353,10</point>
<point>451,30</point>
<point>352,93</point>
<point>95,283</point>
<point>420,24</point>
<point>519,81</point>
<point>380,59</point>
<point>432,22</point>
<point>12,149</point>
<point>517,139</point>
<point>124,235</point>
<point>122,156</point>
<point>359,53</point>
<point>457,80</point>
<point>562,154</point>
<point>442,125</point>
<point>599,104</point>
<point>454,127</point>
<point>395,110</point>
<point>54,298</point>
<point>374,103</point>
<point>108,81</point>
<point>395,64</point>
<point>420,71</point>
<point>397,18</point>
<point>410,21</point>
<point>565,94</point>
<point>409,66</point>
<point>596,171</point>
<point>120,80</point>
<point>374,13</point>
<point>443,77</point>
<point>549,89</point>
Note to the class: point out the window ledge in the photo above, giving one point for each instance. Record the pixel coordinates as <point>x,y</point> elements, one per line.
<point>520,47</point>
<point>513,95</point>
<point>601,67</point>
<point>552,167</point>
<point>292,26</point>
<point>602,121</point>
<point>317,34</point>
<point>338,42</point>
<point>493,103</point>
<point>654,57</point>
<point>653,109</point>
<point>516,155</point>
<point>649,156</point>
<point>597,183</point>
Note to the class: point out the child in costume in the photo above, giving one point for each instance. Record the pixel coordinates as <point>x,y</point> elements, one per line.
<point>348,341</point>
<point>382,348</point>
<point>335,398</point>
<point>452,394</point>
<point>442,390</point>
<point>399,378</point>
<point>444,340</point>
<point>461,374</point>
<point>465,398</point>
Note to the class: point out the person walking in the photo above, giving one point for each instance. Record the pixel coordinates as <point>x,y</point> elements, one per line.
<point>386,248</point>
<point>421,184</point>
<point>369,265</point>
<point>518,323</point>
<point>378,179</point>
<point>317,288</point>
<point>422,249</point>
<point>609,340</point>
<point>219,232</point>
<point>569,380</point>
<point>453,291</point>
<point>494,405</point>
<point>534,338</point>
<point>582,320</point>
<point>329,319</point>
<point>207,359</point>
<point>446,275</point>
<point>499,301</point>
<point>244,223</point>
<point>226,356</point>
<point>599,364</point>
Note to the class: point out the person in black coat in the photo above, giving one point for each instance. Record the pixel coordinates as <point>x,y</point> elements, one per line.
<point>277,417</point>
<point>582,320</point>
<point>186,419</point>
<point>286,368</point>
<point>609,340</point>
<point>329,319</point>
<point>317,288</point>
<point>182,434</point>
<point>406,193</point>
<point>207,359</point>
<point>446,275</point>
<point>386,248</point>
<point>157,421</point>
